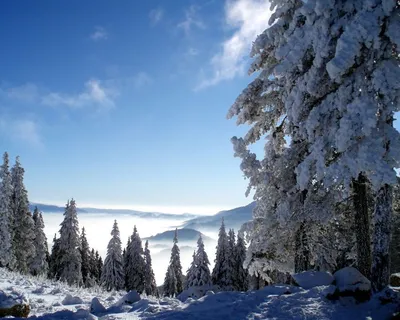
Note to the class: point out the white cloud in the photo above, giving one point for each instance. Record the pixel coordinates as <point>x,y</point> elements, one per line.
<point>156,16</point>
<point>94,95</point>
<point>249,18</point>
<point>191,20</point>
<point>99,34</point>
<point>24,130</point>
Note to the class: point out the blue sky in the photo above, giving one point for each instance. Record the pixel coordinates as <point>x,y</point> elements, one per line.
<point>124,105</point>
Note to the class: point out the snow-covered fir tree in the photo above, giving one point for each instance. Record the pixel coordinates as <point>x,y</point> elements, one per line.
<point>135,268</point>
<point>242,276</point>
<point>113,277</point>
<point>202,276</point>
<point>150,286</point>
<point>99,267</point>
<point>191,272</point>
<point>70,260</point>
<point>170,283</point>
<point>175,264</point>
<point>221,273</point>
<point>84,250</point>
<point>232,258</point>
<point>7,258</point>
<point>55,259</point>
<point>23,226</point>
<point>39,264</point>
<point>328,80</point>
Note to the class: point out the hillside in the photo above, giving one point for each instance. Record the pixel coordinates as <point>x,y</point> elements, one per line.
<point>184,234</point>
<point>140,214</point>
<point>234,218</point>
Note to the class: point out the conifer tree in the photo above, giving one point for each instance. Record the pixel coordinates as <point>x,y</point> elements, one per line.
<point>113,277</point>
<point>150,286</point>
<point>84,250</point>
<point>170,283</point>
<point>232,270</point>
<point>6,216</point>
<point>55,259</point>
<point>23,227</point>
<point>94,272</point>
<point>135,264</point>
<point>220,274</point>
<point>99,267</point>
<point>242,276</point>
<point>39,263</point>
<point>202,276</point>
<point>175,263</point>
<point>71,262</point>
<point>191,272</point>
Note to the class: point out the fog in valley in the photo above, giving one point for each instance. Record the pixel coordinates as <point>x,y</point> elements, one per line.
<point>98,227</point>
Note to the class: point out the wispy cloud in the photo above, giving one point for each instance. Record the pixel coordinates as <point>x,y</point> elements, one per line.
<point>26,93</point>
<point>191,20</point>
<point>142,79</point>
<point>248,18</point>
<point>156,16</point>
<point>24,130</point>
<point>94,94</point>
<point>99,33</point>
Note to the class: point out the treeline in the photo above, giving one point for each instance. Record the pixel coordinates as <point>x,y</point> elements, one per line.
<point>24,249</point>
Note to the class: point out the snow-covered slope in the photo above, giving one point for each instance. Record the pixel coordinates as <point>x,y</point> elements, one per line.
<point>234,218</point>
<point>274,302</point>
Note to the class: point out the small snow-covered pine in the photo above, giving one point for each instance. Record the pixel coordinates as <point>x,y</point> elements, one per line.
<point>23,228</point>
<point>232,258</point>
<point>84,250</point>
<point>176,266</point>
<point>170,283</point>
<point>55,259</point>
<point>191,273</point>
<point>220,274</point>
<point>70,257</point>
<point>202,270</point>
<point>39,264</point>
<point>6,215</point>
<point>150,286</point>
<point>242,276</point>
<point>112,277</point>
<point>135,268</point>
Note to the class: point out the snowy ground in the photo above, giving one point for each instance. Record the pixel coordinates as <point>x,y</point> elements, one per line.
<point>45,298</point>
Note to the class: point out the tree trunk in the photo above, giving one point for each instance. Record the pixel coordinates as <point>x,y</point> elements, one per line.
<point>362,225</point>
<point>302,252</point>
<point>381,238</point>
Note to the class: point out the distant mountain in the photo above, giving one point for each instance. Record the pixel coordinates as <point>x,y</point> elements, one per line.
<point>147,215</point>
<point>233,218</point>
<point>184,234</point>
<point>50,208</point>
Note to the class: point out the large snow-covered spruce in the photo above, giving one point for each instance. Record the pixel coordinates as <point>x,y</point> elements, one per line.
<point>70,257</point>
<point>113,277</point>
<point>23,225</point>
<point>329,80</point>
<point>6,215</point>
<point>84,250</point>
